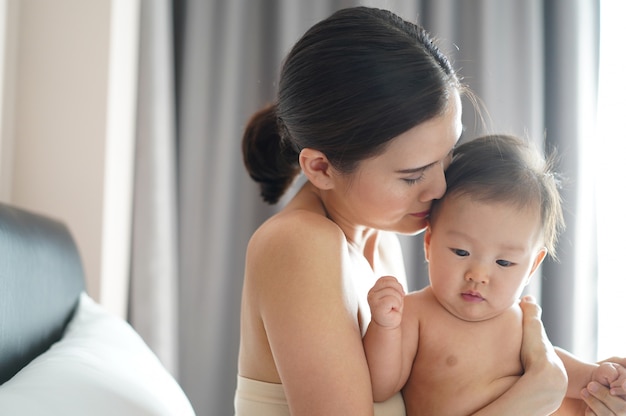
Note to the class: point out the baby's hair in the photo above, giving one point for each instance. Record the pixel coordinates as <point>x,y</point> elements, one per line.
<point>505,168</point>
<point>352,83</point>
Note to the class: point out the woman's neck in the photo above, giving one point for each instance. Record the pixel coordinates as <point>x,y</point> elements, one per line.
<point>362,239</point>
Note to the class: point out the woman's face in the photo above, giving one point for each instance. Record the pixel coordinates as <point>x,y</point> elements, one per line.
<point>393,191</point>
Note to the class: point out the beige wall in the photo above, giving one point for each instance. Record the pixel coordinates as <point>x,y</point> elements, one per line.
<point>66,149</point>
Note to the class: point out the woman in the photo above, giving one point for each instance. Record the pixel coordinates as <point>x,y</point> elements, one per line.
<point>369,110</point>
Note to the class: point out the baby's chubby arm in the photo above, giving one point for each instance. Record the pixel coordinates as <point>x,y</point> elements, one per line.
<point>383,339</point>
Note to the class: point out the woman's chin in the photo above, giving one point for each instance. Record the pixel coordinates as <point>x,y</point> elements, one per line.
<point>412,227</point>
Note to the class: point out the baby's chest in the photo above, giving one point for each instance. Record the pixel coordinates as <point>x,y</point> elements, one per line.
<point>473,371</point>
<point>468,351</point>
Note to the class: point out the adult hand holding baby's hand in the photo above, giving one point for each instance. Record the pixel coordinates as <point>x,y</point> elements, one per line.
<point>611,375</point>
<point>607,399</point>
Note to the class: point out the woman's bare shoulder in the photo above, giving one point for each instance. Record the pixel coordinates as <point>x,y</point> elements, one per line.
<point>295,229</point>
<point>298,261</point>
<point>295,244</point>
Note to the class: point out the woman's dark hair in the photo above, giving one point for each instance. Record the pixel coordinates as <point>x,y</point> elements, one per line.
<point>352,82</point>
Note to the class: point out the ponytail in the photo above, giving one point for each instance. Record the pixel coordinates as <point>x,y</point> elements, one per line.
<point>269,160</point>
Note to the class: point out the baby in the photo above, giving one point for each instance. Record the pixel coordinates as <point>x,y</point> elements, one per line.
<point>454,347</point>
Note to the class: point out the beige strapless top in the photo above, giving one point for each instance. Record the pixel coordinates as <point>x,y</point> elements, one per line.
<point>259,398</point>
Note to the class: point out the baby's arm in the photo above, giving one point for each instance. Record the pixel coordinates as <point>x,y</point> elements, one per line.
<point>383,339</point>
<point>580,373</point>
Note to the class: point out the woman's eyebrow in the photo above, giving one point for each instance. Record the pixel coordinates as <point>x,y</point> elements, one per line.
<point>415,170</point>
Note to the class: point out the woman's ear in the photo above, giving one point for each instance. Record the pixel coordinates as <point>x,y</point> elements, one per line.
<point>316,168</point>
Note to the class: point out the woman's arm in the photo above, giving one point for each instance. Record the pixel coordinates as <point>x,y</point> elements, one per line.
<point>542,387</point>
<point>309,311</point>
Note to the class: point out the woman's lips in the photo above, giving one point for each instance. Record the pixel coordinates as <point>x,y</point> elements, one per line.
<point>472,296</point>
<point>423,214</point>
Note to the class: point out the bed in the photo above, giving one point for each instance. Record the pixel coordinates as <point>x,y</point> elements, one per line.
<point>61,353</point>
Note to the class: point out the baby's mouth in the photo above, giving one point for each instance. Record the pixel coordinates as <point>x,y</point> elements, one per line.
<point>471,296</point>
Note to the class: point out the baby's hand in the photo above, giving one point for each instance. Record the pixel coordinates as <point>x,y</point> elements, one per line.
<point>611,375</point>
<point>386,300</point>
<point>618,386</point>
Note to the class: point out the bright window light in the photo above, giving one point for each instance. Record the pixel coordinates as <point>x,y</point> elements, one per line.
<point>611,148</point>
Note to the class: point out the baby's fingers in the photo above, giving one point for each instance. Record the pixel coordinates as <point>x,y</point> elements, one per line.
<point>388,282</point>
<point>618,386</point>
<point>384,287</point>
<point>619,391</point>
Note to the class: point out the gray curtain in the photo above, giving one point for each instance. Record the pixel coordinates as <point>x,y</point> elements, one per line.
<point>570,287</point>
<point>206,66</point>
<point>153,294</point>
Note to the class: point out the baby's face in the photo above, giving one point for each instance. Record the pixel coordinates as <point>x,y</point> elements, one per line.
<point>481,255</point>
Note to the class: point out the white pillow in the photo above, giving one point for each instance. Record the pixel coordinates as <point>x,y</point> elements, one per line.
<point>101,366</point>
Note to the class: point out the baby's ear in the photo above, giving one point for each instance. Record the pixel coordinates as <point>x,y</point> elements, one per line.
<point>427,235</point>
<point>316,168</point>
<point>539,257</point>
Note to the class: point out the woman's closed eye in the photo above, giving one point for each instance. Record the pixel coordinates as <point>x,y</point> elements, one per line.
<point>414,179</point>
<point>421,172</point>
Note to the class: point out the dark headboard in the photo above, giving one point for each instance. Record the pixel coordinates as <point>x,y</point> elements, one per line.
<point>41,279</point>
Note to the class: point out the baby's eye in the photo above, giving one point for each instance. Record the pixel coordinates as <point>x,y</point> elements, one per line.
<point>460,252</point>
<point>504,263</point>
